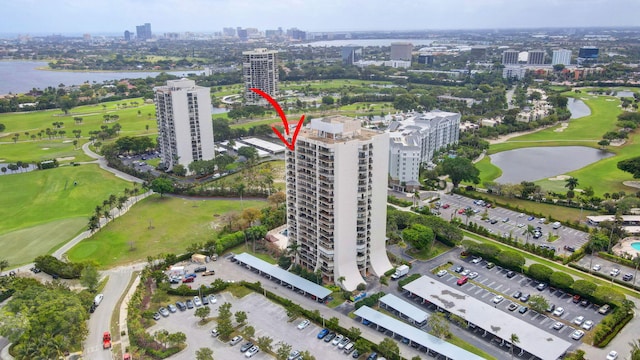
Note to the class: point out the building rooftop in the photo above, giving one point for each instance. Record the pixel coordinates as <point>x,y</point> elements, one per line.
<point>336,129</point>
<point>532,339</point>
<point>405,308</point>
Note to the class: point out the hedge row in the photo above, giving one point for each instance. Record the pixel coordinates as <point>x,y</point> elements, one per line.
<point>228,241</point>
<point>617,259</point>
<point>610,326</point>
<point>407,280</point>
<point>7,294</point>
<point>399,202</point>
<point>184,290</point>
<point>53,266</point>
<point>507,258</point>
<point>369,301</point>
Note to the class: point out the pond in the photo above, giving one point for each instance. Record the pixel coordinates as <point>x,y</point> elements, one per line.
<point>535,163</point>
<point>578,108</point>
<point>19,171</point>
<point>622,94</point>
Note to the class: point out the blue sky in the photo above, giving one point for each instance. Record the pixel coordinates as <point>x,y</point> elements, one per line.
<point>115,16</point>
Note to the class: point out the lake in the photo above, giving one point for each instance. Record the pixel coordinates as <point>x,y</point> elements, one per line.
<point>22,76</point>
<point>535,163</point>
<point>578,108</point>
<point>365,42</point>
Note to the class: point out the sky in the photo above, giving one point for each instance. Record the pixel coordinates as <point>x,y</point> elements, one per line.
<point>115,16</point>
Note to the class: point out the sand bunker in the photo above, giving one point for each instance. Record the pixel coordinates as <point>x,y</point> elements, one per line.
<point>562,127</point>
<point>67,141</point>
<point>560,178</point>
<point>633,184</point>
<point>45,148</point>
<point>68,158</point>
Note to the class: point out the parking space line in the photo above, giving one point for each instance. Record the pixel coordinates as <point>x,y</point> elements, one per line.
<point>479,290</point>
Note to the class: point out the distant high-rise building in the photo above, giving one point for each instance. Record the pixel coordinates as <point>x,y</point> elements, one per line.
<point>536,57</point>
<point>260,70</point>
<point>242,34</point>
<point>401,51</point>
<point>127,35</point>
<point>230,32</point>
<point>143,32</point>
<point>509,57</point>
<point>426,59</point>
<point>561,56</point>
<point>589,52</point>
<point>336,200</point>
<point>351,54</point>
<point>478,52</point>
<point>296,34</point>
<point>185,130</point>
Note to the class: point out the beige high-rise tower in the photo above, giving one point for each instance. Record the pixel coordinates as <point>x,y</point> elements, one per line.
<point>336,199</point>
<point>259,70</point>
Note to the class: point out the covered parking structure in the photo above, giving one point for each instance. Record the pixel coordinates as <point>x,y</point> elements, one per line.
<point>431,344</point>
<point>285,278</point>
<point>532,339</point>
<point>406,310</point>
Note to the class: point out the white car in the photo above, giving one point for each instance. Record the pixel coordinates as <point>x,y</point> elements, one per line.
<point>293,355</point>
<point>476,260</point>
<point>498,299</point>
<point>597,267</point>
<point>213,299</point>
<point>558,325</point>
<point>251,352</point>
<point>473,275</point>
<point>465,272</point>
<point>577,335</point>
<point>303,324</point>
<point>236,339</point>
<point>588,325</point>
<point>612,355</point>
<point>343,343</point>
<point>442,273</point>
<point>337,339</point>
<point>579,320</point>
<point>196,301</point>
<point>615,272</point>
<point>558,311</point>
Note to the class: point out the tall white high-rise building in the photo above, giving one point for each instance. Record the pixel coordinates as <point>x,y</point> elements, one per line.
<point>185,129</point>
<point>260,70</point>
<point>336,199</point>
<point>561,56</point>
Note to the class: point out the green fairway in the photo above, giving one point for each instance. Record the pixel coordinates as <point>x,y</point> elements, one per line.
<point>22,246</point>
<point>488,171</point>
<point>155,226</point>
<point>133,119</point>
<point>603,175</point>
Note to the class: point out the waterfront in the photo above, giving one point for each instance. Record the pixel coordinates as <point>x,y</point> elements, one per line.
<point>22,76</point>
<point>366,42</point>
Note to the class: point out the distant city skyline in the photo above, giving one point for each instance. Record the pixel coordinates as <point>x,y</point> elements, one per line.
<point>116,16</point>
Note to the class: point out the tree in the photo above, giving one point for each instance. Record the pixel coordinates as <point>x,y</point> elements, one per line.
<point>389,348</point>
<point>438,325</point>
<point>328,100</point>
<point>540,272</point>
<point>203,312</point>
<point>225,327</point>
<point>510,259</point>
<point>631,166</point>
<point>249,152</point>
<point>635,350</point>
<point>459,169</point>
<point>571,183</point>
<point>179,170</point>
<point>584,287</point>
<point>283,351</point>
<point>514,339</point>
<point>89,278</point>
<point>204,354</point>
<point>264,343</point>
<point>529,231</point>
<point>333,323</point>
<point>419,236</point>
<point>362,345</point>
<point>354,333</point>
<point>4,263</point>
<point>468,212</point>
<point>177,338</point>
<point>241,317</point>
<point>604,143</point>
<point>561,280</point>
<point>538,303</point>
<point>306,355</point>
<point>162,185</point>
<point>249,331</point>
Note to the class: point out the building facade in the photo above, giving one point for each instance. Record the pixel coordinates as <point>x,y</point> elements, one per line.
<point>185,129</point>
<point>561,56</point>
<point>589,52</point>
<point>514,72</point>
<point>414,138</point>
<point>536,57</point>
<point>260,70</point>
<point>143,32</point>
<point>401,51</point>
<point>336,185</point>
<point>351,54</point>
<point>509,57</point>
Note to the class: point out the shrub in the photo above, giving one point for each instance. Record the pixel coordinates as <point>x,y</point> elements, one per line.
<point>540,272</point>
<point>510,259</point>
<point>53,266</point>
<point>584,287</point>
<point>561,280</point>
<point>369,301</point>
<point>407,280</point>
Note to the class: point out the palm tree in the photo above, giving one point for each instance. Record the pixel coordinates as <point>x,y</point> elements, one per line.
<point>293,249</point>
<point>514,340</point>
<point>530,231</point>
<point>416,198</point>
<point>571,183</point>
<point>240,189</point>
<point>468,212</point>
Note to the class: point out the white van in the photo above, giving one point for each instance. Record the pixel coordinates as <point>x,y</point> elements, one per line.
<point>557,225</point>
<point>98,299</point>
<point>349,348</point>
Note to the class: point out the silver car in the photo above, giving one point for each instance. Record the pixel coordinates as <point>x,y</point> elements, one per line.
<point>251,352</point>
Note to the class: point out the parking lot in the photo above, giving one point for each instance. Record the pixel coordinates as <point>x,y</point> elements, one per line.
<point>267,318</point>
<point>603,266</point>
<point>516,225</point>
<point>492,282</point>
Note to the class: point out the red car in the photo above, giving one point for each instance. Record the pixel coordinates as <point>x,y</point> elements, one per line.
<point>445,206</point>
<point>188,280</point>
<point>461,211</point>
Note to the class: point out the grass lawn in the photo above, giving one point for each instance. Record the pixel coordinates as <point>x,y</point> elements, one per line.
<point>470,348</point>
<point>429,253</point>
<point>175,224</point>
<point>249,250</point>
<point>603,175</point>
<point>42,209</point>
<point>488,171</point>
<point>28,149</point>
<point>557,212</point>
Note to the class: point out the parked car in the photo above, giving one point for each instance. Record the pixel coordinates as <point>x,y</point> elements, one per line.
<point>463,280</point>
<point>517,294</point>
<point>156,316</point>
<point>213,299</point>
<point>215,332</point>
<point>441,273</point>
<point>476,260</point>
<point>251,352</point>
<point>188,280</point>
<point>303,324</point>
<point>615,272</point>
<point>236,339</point>
<point>585,303</point>
<point>523,309</point>
<point>163,311</point>
<point>550,308</point>
<point>612,355</point>
<point>498,299</point>
<point>558,311</point>
<point>512,307</point>
<point>246,346</point>
<point>597,267</point>
<point>329,337</point>
<point>293,355</point>
<point>541,286</point>
<point>355,354</point>
<point>525,298</point>
<point>373,356</point>
<point>558,325</point>
<point>458,269</point>
<point>588,325</point>
<point>576,299</point>
<point>182,306</point>
<point>196,301</point>
<point>172,308</point>
<point>511,274</point>
<point>579,320</point>
<point>490,265</point>
<point>627,277</point>
<point>337,339</point>
<point>604,309</point>
<point>323,333</point>
<point>465,272</point>
<point>473,275</point>
<point>205,300</point>
<point>200,269</point>
<point>189,304</point>
<point>577,335</point>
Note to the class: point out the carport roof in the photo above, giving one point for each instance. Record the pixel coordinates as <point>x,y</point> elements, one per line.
<point>415,335</point>
<point>283,275</point>
<point>404,308</point>
<point>532,339</point>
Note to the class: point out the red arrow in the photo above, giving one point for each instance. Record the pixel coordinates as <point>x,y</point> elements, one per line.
<point>283,118</point>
